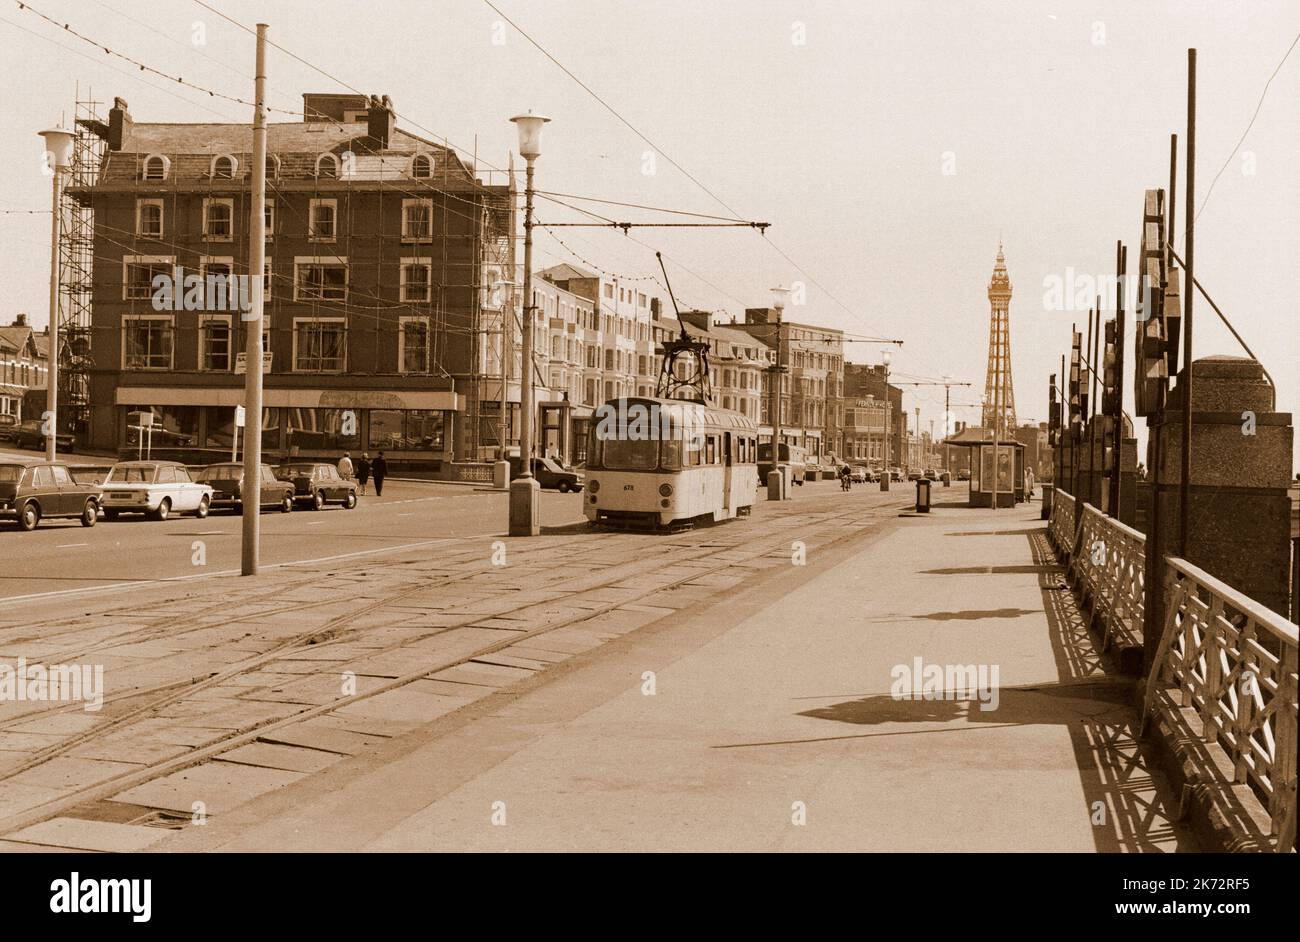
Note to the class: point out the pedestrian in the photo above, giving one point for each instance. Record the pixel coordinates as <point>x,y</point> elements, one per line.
<point>379,471</point>
<point>345,467</point>
<point>363,470</point>
<point>1029,483</point>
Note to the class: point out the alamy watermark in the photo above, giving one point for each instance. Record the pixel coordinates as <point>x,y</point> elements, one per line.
<point>177,291</point>
<point>37,683</point>
<point>921,681</point>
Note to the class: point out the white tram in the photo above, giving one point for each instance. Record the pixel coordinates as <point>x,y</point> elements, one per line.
<point>668,463</point>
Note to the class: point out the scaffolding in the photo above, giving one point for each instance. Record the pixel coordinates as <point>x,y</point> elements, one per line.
<point>76,268</point>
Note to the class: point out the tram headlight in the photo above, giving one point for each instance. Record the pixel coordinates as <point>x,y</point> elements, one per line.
<point>593,486</point>
<point>665,490</point>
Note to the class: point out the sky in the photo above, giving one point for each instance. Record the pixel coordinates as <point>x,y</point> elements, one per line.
<point>890,145</point>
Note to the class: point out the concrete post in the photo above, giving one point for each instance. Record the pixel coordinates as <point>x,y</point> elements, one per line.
<point>1239,509</point>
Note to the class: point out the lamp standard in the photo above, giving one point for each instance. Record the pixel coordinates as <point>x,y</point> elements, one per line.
<point>884,478</point>
<point>58,145</point>
<point>777,487</point>
<point>525,500</point>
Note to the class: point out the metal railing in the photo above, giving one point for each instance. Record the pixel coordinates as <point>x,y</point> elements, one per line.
<point>1060,528</point>
<point>1110,570</point>
<point>1233,661</point>
<point>1221,654</point>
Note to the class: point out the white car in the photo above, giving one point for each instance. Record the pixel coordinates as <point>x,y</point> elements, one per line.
<point>157,489</point>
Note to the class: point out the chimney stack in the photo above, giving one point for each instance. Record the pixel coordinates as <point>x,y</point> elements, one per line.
<point>119,123</point>
<point>380,122</point>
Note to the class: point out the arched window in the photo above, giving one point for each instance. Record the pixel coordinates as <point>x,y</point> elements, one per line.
<point>421,166</point>
<point>156,167</point>
<point>327,165</point>
<point>272,166</point>
<point>224,167</point>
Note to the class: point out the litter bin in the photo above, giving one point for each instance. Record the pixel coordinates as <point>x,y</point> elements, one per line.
<point>947,479</point>
<point>923,495</point>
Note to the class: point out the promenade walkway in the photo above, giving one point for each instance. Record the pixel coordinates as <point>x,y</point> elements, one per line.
<point>767,718</point>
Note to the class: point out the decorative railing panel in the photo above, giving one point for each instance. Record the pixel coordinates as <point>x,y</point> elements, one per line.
<point>1221,654</point>
<point>1233,661</point>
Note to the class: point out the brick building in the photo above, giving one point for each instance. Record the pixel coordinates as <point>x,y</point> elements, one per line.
<point>381,249</point>
<point>864,383</point>
<point>812,387</point>
<point>24,370</point>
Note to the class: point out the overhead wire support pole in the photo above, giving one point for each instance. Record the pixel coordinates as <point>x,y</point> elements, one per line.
<point>1185,376</point>
<point>253,320</point>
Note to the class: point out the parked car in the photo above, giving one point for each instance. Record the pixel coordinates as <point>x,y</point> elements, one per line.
<point>32,491</point>
<point>930,474</point>
<point>317,484</point>
<point>550,474</point>
<point>896,474</point>
<point>30,434</point>
<point>227,481</point>
<point>8,427</point>
<point>156,489</point>
<point>860,474</point>
<point>963,475</point>
<point>914,475</point>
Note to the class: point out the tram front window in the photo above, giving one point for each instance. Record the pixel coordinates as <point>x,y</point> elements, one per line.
<point>623,455</point>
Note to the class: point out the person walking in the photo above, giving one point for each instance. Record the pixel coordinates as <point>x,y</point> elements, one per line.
<point>379,470</point>
<point>345,467</point>
<point>363,470</point>
<point>1029,483</point>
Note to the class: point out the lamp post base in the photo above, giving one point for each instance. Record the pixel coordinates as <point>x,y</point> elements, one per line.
<point>884,481</point>
<point>525,507</point>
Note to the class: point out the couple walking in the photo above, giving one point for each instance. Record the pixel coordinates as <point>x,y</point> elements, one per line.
<point>365,468</point>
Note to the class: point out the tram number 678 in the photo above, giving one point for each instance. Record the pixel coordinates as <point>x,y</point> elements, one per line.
<point>629,487</point>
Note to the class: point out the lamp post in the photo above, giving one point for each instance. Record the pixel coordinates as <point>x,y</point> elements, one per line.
<point>776,479</point>
<point>884,478</point>
<point>525,493</point>
<point>58,145</point>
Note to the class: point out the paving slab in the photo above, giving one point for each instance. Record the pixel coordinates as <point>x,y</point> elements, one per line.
<point>81,834</point>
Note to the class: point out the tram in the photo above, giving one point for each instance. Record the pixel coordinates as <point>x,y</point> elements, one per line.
<point>669,463</point>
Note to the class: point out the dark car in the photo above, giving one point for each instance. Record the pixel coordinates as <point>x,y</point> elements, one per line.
<point>550,474</point>
<point>318,484</point>
<point>963,475</point>
<point>8,427</point>
<point>32,491</point>
<point>29,434</point>
<point>914,475</point>
<point>227,482</point>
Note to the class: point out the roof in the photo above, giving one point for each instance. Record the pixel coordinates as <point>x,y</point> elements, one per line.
<point>970,437</point>
<point>295,146</point>
<point>310,137</point>
<point>564,271</point>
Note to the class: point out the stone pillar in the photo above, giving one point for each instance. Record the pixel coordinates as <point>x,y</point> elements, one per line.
<point>1240,520</point>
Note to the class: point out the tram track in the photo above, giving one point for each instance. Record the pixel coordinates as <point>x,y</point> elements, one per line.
<point>335,631</point>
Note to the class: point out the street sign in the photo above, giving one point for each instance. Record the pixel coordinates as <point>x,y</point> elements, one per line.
<point>239,416</point>
<point>241,363</point>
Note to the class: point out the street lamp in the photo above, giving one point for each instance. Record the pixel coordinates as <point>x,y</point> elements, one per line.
<point>884,478</point>
<point>525,493</point>
<point>776,486</point>
<point>58,145</point>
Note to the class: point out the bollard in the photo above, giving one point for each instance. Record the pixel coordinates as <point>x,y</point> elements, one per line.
<point>923,495</point>
<point>947,479</point>
<point>775,484</point>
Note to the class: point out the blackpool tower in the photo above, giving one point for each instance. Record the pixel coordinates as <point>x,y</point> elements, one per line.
<point>999,399</point>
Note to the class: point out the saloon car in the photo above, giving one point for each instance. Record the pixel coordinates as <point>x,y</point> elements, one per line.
<point>227,482</point>
<point>156,489</point>
<point>550,474</point>
<point>317,484</point>
<point>32,491</point>
<point>31,434</point>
